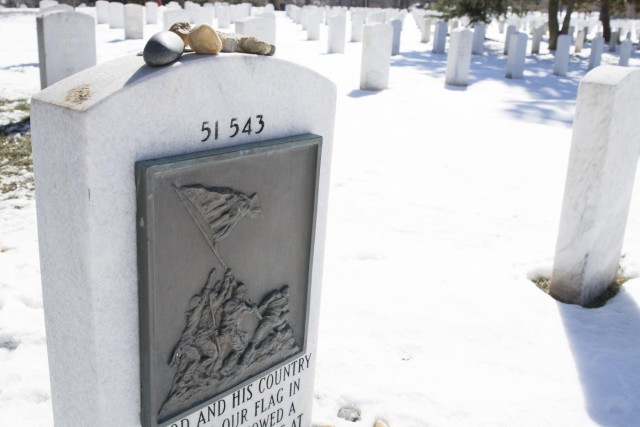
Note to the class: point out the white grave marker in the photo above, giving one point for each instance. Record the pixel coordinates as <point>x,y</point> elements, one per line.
<point>336,34</point>
<point>133,21</point>
<point>579,41</point>
<point>561,62</point>
<point>440,37</point>
<point>260,28</point>
<point>598,188</point>
<point>597,46</point>
<point>151,12</point>
<point>626,47</point>
<point>172,15</point>
<point>313,25</point>
<point>43,4</point>
<point>85,146</point>
<point>538,33</point>
<point>426,30</point>
<point>511,29</point>
<point>223,14</point>
<point>459,57</point>
<point>376,56</point>
<point>396,24</point>
<point>102,11</point>
<point>517,55</point>
<point>357,21</point>
<point>478,38</point>
<point>116,15</point>
<point>66,45</point>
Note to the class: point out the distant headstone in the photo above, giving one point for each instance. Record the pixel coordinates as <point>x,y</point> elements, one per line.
<point>43,4</point>
<point>459,57</point>
<point>261,28</point>
<point>426,30</point>
<point>56,8</point>
<point>164,304</point>
<point>194,13</point>
<point>133,21</point>
<point>614,41</point>
<point>313,26</point>
<point>172,15</point>
<point>538,33</point>
<point>517,55</point>
<point>511,29</point>
<point>102,11</point>
<point>151,12</point>
<point>116,15</point>
<point>189,8</point>
<point>66,45</point>
<point>626,47</point>
<point>396,24</point>
<point>597,46</point>
<point>579,41</point>
<point>337,34</point>
<point>237,12</point>
<point>376,56</point>
<point>598,189</point>
<point>561,61</point>
<point>440,37</point>
<point>357,21</point>
<point>223,14</point>
<point>478,38</point>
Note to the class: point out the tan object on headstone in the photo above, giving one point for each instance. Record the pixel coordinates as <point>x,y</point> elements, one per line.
<point>237,43</point>
<point>380,423</point>
<point>182,29</point>
<point>204,40</point>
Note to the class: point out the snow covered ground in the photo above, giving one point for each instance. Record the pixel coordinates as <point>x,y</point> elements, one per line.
<point>444,203</point>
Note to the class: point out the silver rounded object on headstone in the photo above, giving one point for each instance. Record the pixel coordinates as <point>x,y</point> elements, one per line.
<point>163,48</point>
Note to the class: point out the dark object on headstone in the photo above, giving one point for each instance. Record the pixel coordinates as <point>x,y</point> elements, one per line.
<point>163,48</point>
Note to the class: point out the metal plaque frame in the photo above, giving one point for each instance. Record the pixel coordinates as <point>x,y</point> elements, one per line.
<point>225,249</point>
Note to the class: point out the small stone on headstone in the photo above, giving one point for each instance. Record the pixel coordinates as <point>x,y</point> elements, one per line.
<point>182,29</point>
<point>349,414</point>
<point>204,40</point>
<point>163,48</point>
<point>380,423</point>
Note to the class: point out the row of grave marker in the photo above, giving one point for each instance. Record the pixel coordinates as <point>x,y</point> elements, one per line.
<point>463,41</point>
<point>62,53</point>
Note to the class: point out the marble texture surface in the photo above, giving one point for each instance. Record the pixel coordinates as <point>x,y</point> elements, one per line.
<point>133,21</point>
<point>600,177</point>
<point>376,56</point>
<point>88,131</point>
<point>517,54</point>
<point>459,57</point>
<point>66,45</point>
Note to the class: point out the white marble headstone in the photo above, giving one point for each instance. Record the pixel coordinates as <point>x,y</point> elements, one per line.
<point>133,21</point>
<point>600,177</point>
<point>88,131</point>
<point>376,56</point>
<point>66,45</point>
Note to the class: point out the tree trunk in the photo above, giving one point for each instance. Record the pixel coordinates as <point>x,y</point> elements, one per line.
<point>553,24</point>
<point>566,23</point>
<point>606,21</point>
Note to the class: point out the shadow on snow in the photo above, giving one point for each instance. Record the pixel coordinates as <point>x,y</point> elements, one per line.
<point>553,97</point>
<point>605,344</point>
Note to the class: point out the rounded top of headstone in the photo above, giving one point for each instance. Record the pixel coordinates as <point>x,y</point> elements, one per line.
<point>259,76</point>
<point>609,75</point>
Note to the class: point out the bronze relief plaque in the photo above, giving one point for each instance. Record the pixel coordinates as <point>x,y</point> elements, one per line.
<point>225,242</point>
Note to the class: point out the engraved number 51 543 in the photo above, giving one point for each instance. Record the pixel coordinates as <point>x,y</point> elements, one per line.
<point>234,128</point>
